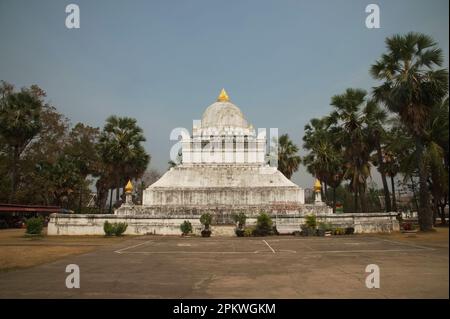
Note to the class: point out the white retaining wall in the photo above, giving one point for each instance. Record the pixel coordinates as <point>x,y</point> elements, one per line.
<point>78,224</point>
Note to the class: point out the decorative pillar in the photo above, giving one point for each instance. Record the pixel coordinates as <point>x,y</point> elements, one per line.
<point>317,194</point>
<point>128,193</point>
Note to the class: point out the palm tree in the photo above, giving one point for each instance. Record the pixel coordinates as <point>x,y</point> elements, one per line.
<point>413,83</point>
<point>374,118</point>
<point>288,160</point>
<point>350,132</point>
<point>324,160</point>
<point>121,150</point>
<point>436,156</point>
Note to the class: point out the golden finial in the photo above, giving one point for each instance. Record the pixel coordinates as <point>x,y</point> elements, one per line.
<point>317,186</point>
<point>223,96</point>
<point>129,187</point>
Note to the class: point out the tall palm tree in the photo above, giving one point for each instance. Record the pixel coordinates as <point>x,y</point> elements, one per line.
<point>436,156</point>
<point>374,118</point>
<point>412,83</point>
<point>324,159</point>
<point>121,150</point>
<point>348,122</point>
<point>288,160</point>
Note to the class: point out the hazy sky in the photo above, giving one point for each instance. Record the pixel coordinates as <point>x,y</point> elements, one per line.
<point>164,62</point>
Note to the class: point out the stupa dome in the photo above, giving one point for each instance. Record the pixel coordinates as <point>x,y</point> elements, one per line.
<point>223,113</point>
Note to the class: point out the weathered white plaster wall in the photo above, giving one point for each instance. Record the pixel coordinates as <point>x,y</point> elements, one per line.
<point>76,224</point>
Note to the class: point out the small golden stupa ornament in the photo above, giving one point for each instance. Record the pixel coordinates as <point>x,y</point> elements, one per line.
<point>223,96</point>
<point>317,186</point>
<point>129,187</point>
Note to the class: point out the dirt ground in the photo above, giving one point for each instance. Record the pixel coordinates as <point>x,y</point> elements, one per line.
<point>411,266</point>
<point>18,251</point>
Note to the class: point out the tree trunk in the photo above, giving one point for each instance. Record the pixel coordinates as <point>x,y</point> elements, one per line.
<point>362,199</point>
<point>425,213</point>
<point>110,200</point>
<point>442,214</point>
<point>414,194</point>
<point>81,199</point>
<point>326,191</point>
<point>117,190</point>
<point>394,198</point>
<point>334,200</point>
<point>387,199</point>
<point>356,201</point>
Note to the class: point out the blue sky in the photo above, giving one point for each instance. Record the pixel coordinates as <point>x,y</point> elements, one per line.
<point>164,62</point>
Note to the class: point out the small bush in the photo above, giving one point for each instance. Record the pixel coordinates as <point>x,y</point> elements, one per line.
<point>34,225</point>
<point>206,233</point>
<point>325,226</point>
<point>349,231</point>
<point>120,228</point>
<point>239,232</point>
<point>263,225</point>
<point>240,219</point>
<point>308,231</point>
<point>108,228</point>
<point>339,231</point>
<point>114,229</point>
<point>320,232</point>
<point>248,231</point>
<point>311,221</point>
<point>186,227</point>
<point>206,220</point>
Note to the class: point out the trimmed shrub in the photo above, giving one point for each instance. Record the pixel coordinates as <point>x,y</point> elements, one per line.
<point>108,228</point>
<point>186,227</point>
<point>240,219</point>
<point>34,225</point>
<point>308,231</point>
<point>248,231</point>
<point>114,229</point>
<point>339,231</point>
<point>120,228</point>
<point>311,221</point>
<point>206,220</point>
<point>349,231</point>
<point>206,233</point>
<point>325,226</point>
<point>263,225</point>
<point>239,232</point>
<point>320,232</point>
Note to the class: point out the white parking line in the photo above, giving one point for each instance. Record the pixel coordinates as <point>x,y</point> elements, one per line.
<point>134,246</point>
<point>269,246</point>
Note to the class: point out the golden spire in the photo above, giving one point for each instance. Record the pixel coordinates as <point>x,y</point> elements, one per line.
<point>317,186</point>
<point>129,187</point>
<point>223,96</point>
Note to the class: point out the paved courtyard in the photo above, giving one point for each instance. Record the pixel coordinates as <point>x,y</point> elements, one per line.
<point>411,266</point>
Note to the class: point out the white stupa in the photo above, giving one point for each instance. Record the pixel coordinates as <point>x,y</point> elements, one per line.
<point>223,170</point>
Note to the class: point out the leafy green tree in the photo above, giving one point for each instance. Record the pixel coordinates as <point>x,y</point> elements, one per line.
<point>40,156</point>
<point>19,123</point>
<point>413,82</point>
<point>288,160</point>
<point>82,149</point>
<point>65,179</point>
